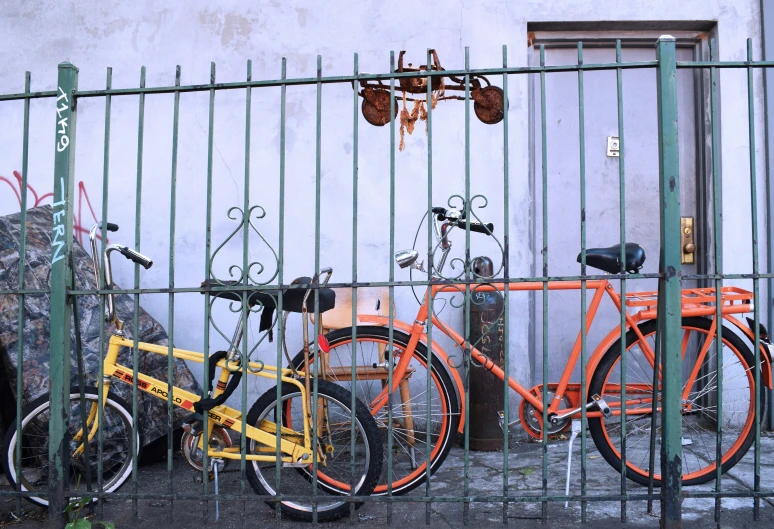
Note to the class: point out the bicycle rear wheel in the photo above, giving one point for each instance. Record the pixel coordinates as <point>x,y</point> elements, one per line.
<point>115,453</point>
<point>700,409</point>
<point>410,402</point>
<point>342,466</point>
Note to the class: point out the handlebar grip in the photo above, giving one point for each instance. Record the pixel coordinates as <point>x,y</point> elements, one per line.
<point>137,257</point>
<point>477,226</point>
<point>112,227</point>
<point>440,212</point>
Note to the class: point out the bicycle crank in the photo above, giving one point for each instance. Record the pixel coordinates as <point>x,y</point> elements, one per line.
<point>532,418</point>
<point>189,443</point>
<point>596,400</point>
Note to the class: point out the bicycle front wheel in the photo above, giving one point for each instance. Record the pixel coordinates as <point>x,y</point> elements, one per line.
<point>349,460</point>
<point>115,453</point>
<point>734,367</point>
<point>411,402</point>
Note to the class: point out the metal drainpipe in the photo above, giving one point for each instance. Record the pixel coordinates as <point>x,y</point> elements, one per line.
<point>767,17</point>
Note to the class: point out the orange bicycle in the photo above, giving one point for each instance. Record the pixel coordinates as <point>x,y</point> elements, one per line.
<point>413,398</point>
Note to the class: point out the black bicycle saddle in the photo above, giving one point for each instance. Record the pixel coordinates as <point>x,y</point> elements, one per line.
<point>292,297</point>
<point>609,259</point>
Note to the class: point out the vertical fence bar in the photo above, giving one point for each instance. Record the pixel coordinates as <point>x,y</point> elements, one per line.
<point>104,239</point>
<point>20,299</point>
<point>506,290</point>
<point>468,277</point>
<point>136,328</point>
<point>245,278</point>
<point>716,209</point>
<point>317,204</point>
<point>391,324</point>
<point>669,270</point>
<point>582,170</point>
<point>207,296</point>
<point>171,310</point>
<point>429,294</point>
<point>622,257</point>
<point>353,360</point>
<point>767,22</point>
<point>544,381</point>
<point>280,279</point>
<point>756,279</point>
<point>61,281</point>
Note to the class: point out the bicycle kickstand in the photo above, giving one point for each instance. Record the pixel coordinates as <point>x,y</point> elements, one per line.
<point>576,429</point>
<point>600,403</point>
<point>216,465</point>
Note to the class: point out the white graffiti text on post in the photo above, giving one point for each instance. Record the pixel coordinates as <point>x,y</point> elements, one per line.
<point>59,228</point>
<point>62,140</point>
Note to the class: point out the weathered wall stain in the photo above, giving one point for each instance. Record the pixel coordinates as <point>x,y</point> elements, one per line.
<point>234,29</point>
<point>302,12</point>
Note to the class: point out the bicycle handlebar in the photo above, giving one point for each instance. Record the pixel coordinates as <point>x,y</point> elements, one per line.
<point>477,227</point>
<point>457,218</point>
<point>137,257</point>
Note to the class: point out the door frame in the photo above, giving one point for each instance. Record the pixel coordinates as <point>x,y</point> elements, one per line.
<point>689,34</point>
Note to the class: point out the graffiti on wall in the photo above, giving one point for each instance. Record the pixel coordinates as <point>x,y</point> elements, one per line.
<point>34,200</point>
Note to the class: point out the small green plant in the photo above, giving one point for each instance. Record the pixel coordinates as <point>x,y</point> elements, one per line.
<point>75,521</point>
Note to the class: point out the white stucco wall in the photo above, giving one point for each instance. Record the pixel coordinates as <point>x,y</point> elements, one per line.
<point>37,35</point>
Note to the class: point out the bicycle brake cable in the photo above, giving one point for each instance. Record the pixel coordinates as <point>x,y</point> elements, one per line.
<point>414,247</point>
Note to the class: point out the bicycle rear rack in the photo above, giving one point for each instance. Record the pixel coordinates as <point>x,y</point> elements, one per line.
<point>695,302</point>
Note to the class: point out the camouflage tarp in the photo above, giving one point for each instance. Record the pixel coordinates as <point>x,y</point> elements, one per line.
<point>35,349</point>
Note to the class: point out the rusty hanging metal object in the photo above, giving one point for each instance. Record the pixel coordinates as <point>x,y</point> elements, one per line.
<point>488,100</point>
<point>376,106</point>
<point>489,104</point>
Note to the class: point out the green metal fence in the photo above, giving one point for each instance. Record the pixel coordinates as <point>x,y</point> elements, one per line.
<point>62,289</point>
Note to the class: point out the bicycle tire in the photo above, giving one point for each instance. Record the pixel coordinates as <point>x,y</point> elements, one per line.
<point>444,399</point>
<point>116,453</point>
<point>699,431</point>
<point>368,447</point>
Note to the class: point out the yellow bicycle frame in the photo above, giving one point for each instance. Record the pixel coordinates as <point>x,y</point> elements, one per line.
<point>296,446</point>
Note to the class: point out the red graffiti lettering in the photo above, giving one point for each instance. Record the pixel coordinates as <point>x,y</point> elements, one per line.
<point>79,229</point>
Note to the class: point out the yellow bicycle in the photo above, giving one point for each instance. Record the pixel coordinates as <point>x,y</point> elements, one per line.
<point>347,457</point>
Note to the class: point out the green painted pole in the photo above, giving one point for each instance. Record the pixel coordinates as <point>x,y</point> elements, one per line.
<point>61,281</point>
<point>22,262</point>
<point>669,269</point>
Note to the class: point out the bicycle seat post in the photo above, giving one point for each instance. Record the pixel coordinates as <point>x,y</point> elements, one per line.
<point>233,354</point>
<point>305,332</point>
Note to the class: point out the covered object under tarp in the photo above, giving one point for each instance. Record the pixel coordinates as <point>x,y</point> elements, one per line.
<point>35,342</point>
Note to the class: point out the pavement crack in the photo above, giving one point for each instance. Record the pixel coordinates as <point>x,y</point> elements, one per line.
<point>439,513</point>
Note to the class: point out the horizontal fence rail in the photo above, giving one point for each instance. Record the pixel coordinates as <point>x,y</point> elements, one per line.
<point>670,408</point>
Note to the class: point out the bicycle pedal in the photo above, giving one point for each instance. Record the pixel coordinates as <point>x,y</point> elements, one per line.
<point>192,428</point>
<point>602,405</point>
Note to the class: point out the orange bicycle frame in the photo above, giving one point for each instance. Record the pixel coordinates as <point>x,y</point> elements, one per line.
<point>696,302</point>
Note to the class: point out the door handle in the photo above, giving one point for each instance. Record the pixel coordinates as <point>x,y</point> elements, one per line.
<point>687,244</point>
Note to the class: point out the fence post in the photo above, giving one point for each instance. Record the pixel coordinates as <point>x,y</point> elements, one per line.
<point>61,281</point>
<point>669,285</point>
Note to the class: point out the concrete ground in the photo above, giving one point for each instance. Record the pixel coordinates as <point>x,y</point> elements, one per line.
<point>486,478</point>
